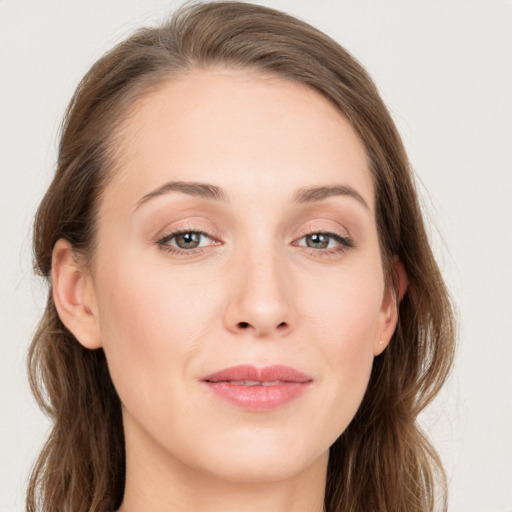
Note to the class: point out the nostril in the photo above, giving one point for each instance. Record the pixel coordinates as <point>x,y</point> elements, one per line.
<point>245,325</point>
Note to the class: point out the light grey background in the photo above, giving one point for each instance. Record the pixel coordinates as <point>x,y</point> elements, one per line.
<point>444,68</point>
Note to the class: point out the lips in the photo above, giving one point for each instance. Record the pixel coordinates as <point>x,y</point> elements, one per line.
<point>258,389</point>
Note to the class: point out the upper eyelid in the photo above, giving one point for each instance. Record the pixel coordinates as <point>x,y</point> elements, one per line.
<point>213,233</point>
<point>333,234</point>
<point>305,223</point>
<point>325,230</point>
<point>174,234</point>
<point>316,226</point>
<point>186,228</point>
<point>342,233</point>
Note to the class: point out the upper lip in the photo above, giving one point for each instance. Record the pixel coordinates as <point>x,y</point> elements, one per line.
<point>248,372</point>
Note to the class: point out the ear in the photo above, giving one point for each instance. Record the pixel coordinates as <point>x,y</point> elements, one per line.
<point>73,295</point>
<point>389,308</point>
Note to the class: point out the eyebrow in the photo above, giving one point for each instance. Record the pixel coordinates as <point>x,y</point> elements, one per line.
<point>209,191</point>
<point>203,190</point>
<point>312,194</point>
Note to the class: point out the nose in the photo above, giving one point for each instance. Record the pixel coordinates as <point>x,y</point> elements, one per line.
<point>261,291</point>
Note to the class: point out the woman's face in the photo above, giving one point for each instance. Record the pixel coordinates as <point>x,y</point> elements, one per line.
<point>238,230</point>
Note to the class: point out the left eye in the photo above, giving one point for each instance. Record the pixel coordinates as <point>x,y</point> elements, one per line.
<point>186,240</point>
<point>322,241</point>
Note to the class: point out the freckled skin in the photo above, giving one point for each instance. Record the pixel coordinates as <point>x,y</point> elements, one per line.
<point>166,320</point>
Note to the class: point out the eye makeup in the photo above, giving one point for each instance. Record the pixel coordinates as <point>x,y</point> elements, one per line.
<point>187,241</point>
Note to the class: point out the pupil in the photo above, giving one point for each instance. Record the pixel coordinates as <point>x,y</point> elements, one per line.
<point>188,240</point>
<point>318,241</point>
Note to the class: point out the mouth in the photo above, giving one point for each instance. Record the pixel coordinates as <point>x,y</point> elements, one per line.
<point>258,389</point>
<point>251,382</point>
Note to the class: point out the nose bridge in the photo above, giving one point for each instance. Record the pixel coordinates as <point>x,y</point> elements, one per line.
<point>261,295</point>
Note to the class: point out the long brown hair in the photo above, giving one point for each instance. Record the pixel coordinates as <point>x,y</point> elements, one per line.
<point>382,462</point>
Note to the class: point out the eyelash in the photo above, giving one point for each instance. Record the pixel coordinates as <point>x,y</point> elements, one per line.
<point>344,242</point>
<point>169,249</point>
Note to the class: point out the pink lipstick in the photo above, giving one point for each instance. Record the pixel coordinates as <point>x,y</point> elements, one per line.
<point>258,389</point>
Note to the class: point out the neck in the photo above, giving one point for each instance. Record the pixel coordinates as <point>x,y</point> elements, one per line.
<point>158,482</point>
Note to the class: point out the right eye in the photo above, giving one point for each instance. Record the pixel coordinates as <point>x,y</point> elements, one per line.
<point>185,241</point>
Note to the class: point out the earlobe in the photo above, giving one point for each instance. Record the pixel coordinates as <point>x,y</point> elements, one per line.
<point>390,307</point>
<point>73,295</point>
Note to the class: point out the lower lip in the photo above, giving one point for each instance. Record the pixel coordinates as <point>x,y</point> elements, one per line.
<point>258,398</point>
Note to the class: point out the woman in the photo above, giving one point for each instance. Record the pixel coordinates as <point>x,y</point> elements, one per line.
<point>244,311</point>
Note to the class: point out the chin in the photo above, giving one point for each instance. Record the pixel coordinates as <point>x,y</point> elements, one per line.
<point>261,470</point>
<point>262,460</point>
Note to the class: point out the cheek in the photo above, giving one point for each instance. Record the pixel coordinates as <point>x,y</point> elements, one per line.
<point>151,325</point>
<point>344,307</point>
<point>346,318</point>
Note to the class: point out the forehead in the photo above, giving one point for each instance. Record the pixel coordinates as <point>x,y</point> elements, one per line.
<point>243,131</point>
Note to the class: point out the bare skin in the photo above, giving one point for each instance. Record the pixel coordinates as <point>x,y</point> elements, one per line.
<point>276,277</point>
